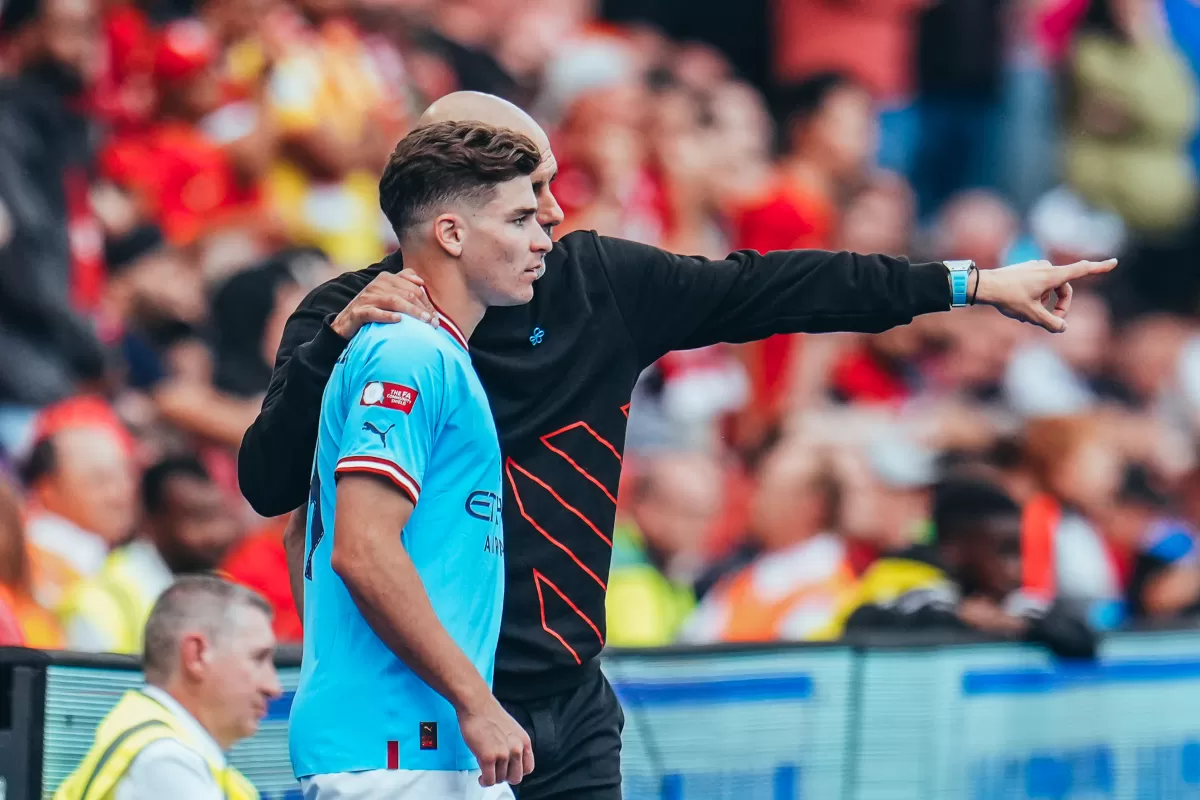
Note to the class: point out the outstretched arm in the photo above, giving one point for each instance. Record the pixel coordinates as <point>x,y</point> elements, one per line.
<point>671,302</point>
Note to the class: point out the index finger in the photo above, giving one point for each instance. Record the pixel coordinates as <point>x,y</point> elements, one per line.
<point>1081,269</point>
<point>527,758</point>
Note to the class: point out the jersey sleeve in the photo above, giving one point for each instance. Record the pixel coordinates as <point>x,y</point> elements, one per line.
<point>394,399</point>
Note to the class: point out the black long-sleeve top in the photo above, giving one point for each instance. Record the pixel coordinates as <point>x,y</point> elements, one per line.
<point>559,373</point>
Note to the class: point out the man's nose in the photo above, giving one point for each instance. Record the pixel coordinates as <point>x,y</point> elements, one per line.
<point>272,687</point>
<point>541,241</point>
<point>549,212</point>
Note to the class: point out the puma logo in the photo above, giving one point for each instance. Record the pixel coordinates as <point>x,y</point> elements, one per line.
<point>370,428</point>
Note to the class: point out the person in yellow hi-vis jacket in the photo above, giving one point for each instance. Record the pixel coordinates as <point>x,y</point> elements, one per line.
<point>210,673</point>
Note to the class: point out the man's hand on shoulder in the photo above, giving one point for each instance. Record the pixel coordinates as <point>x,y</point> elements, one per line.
<point>386,299</point>
<point>1023,291</point>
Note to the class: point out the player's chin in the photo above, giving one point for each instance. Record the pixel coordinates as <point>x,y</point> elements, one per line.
<point>520,294</point>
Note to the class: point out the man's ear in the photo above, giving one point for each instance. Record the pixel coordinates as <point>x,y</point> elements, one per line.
<point>195,654</point>
<point>449,232</point>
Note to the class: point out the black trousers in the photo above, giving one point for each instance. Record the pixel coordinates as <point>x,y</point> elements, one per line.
<point>576,739</point>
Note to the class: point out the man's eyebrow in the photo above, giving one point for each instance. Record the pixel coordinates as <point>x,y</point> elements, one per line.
<point>525,211</point>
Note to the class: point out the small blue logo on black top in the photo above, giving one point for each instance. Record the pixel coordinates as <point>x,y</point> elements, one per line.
<point>537,337</point>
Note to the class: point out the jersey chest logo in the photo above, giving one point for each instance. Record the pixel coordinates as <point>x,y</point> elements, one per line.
<point>389,395</point>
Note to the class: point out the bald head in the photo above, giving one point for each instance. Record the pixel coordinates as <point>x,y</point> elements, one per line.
<point>499,113</point>
<point>488,109</point>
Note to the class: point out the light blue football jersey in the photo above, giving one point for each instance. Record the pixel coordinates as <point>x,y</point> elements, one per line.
<point>403,403</point>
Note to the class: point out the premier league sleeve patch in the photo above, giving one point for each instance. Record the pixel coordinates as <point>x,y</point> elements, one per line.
<point>389,395</point>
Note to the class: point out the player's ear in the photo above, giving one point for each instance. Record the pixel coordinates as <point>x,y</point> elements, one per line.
<point>449,232</point>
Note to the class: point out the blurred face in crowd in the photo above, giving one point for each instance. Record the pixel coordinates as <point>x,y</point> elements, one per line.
<point>195,528</point>
<point>898,344</point>
<point>843,134</point>
<point>603,135</point>
<point>988,559</point>
<point>1148,354</point>
<point>795,497</point>
<point>977,225</point>
<point>63,46</point>
<point>678,502</point>
<point>1088,475</point>
<point>879,219</point>
<point>1085,344</point>
<point>287,296</point>
<point>235,674</point>
<point>980,346</point>
<point>93,483</point>
<point>741,121</point>
<point>162,286</point>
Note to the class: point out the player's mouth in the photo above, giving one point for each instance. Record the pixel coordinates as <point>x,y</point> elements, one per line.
<point>537,270</point>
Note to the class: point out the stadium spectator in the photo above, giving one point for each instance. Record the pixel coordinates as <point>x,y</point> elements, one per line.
<point>795,584</point>
<point>960,71</point>
<point>969,579</point>
<point>338,121</point>
<point>880,218</point>
<point>187,528</point>
<point>658,553</point>
<point>22,619</point>
<point>872,41</point>
<point>48,351</point>
<point>83,502</point>
<point>1164,581</point>
<point>196,167</point>
<point>829,138</point>
<point>979,224</point>
<point>1133,113</point>
<point>210,675</point>
<point>1066,374</point>
<point>259,562</point>
<point>1078,465</point>
<point>884,497</point>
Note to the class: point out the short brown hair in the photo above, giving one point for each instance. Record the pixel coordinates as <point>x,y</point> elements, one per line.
<point>447,161</point>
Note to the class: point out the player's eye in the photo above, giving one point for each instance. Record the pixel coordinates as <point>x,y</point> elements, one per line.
<point>520,221</point>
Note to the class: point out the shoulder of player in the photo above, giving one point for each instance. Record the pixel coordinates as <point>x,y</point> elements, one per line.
<point>408,341</point>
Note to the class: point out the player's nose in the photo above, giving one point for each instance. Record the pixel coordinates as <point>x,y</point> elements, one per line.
<point>541,241</point>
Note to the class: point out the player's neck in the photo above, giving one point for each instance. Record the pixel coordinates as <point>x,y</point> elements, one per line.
<point>448,291</point>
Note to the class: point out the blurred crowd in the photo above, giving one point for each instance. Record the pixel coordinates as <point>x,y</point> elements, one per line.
<point>175,175</point>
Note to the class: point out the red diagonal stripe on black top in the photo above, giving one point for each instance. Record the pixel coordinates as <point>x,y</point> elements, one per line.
<point>546,441</point>
<point>508,468</point>
<point>538,580</point>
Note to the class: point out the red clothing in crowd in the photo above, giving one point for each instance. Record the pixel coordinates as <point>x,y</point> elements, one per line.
<point>786,217</point>
<point>860,377</point>
<point>185,180</point>
<point>259,562</point>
